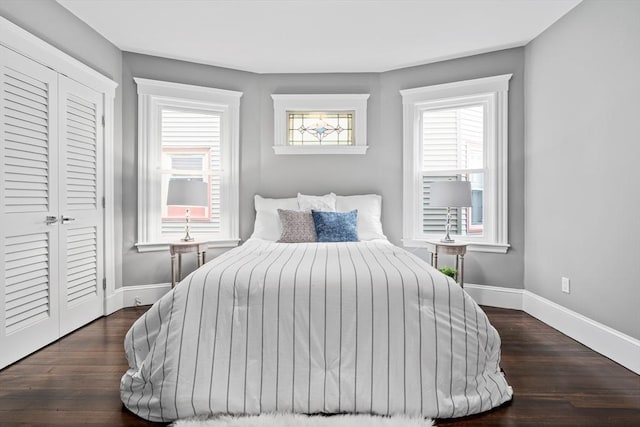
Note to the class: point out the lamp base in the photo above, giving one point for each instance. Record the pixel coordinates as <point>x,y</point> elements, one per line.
<point>187,227</point>
<point>447,237</point>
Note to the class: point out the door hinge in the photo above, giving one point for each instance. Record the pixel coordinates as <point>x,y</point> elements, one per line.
<point>104,283</point>
<point>104,203</point>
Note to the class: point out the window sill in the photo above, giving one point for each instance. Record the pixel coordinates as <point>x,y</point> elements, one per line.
<point>164,246</point>
<point>326,149</point>
<point>496,248</point>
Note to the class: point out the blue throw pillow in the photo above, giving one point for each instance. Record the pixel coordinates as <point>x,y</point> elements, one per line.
<point>336,226</point>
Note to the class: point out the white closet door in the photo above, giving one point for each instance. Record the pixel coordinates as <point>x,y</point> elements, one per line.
<point>81,213</point>
<point>29,313</point>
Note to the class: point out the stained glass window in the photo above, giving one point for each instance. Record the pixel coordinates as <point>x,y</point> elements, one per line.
<point>320,128</point>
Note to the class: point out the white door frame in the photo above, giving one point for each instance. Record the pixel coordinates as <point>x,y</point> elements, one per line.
<point>19,40</point>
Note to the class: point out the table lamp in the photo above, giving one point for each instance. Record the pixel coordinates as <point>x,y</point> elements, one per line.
<point>450,194</point>
<point>187,193</point>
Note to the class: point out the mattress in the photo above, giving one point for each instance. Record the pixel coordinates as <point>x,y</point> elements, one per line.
<point>358,327</point>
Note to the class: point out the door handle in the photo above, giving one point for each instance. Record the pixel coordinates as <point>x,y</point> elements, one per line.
<point>51,219</point>
<point>65,219</point>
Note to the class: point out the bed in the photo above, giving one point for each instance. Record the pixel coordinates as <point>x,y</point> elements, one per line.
<point>337,327</point>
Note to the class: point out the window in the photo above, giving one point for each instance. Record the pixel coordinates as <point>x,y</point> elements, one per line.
<point>191,150</point>
<point>320,128</point>
<point>457,131</point>
<point>320,124</point>
<point>452,149</point>
<point>187,132</point>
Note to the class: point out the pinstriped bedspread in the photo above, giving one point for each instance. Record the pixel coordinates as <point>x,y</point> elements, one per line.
<point>318,327</point>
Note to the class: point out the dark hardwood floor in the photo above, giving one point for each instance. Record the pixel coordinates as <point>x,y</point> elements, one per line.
<point>75,381</point>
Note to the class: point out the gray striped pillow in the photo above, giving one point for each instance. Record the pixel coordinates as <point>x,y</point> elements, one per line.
<point>297,227</point>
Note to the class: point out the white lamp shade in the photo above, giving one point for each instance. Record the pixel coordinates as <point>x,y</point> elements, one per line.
<point>450,194</point>
<point>187,192</point>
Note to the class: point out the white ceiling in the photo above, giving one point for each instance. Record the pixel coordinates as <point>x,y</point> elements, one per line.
<point>302,36</point>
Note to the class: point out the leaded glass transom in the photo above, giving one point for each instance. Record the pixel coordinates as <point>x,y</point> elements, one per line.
<point>320,128</point>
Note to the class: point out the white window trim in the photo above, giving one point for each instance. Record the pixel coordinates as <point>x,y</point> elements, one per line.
<point>282,104</point>
<point>152,95</point>
<point>417,100</point>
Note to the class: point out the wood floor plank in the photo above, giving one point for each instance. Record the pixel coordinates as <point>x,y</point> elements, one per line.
<point>557,381</point>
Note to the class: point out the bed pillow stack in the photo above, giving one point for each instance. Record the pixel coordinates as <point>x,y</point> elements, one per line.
<point>318,226</point>
<point>337,218</point>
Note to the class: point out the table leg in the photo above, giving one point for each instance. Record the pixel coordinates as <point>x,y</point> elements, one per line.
<point>203,257</point>
<point>435,259</point>
<point>173,272</point>
<point>461,271</point>
<point>179,267</point>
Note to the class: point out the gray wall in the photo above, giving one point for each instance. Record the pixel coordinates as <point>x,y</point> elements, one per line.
<point>262,172</point>
<point>56,25</point>
<point>582,152</point>
<point>379,171</point>
<point>582,132</point>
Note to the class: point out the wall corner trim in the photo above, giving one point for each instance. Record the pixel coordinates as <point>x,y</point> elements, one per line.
<point>113,302</point>
<point>495,296</point>
<point>133,296</point>
<point>615,345</point>
<point>621,348</point>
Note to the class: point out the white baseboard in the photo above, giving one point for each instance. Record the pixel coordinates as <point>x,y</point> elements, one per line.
<point>495,296</point>
<point>607,341</point>
<point>113,302</point>
<point>133,296</point>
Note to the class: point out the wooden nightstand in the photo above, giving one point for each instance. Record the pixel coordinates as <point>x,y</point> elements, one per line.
<point>182,248</point>
<point>459,249</point>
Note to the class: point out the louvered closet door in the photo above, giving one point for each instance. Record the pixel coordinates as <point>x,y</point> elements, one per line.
<point>81,213</point>
<point>29,312</point>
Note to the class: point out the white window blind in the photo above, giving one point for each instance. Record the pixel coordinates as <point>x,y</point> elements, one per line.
<point>191,149</point>
<point>452,149</point>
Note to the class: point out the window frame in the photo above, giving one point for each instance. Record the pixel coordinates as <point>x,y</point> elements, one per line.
<point>153,95</point>
<point>493,93</point>
<point>283,104</point>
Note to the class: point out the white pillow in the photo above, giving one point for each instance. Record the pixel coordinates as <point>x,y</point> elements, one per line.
<point>369,208</point>
<point>267,225</point>
<point>317,203</point>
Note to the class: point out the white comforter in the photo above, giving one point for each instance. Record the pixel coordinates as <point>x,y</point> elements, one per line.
<point>319,327</point>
